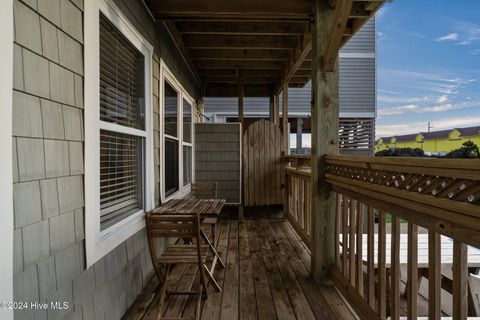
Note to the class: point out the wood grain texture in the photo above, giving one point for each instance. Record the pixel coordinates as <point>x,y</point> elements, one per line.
<point>262,170</point>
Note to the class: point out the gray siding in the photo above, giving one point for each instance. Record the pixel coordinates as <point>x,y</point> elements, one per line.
<point>363,41</point>
<point>357,83</point>
<point>217,157</point>
<point>48,146</point>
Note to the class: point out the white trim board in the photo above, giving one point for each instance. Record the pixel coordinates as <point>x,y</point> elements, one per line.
<point>6,170</point>
<point>99,243</point>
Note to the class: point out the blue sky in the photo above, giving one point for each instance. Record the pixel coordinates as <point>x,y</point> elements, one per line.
<point>428,65</point>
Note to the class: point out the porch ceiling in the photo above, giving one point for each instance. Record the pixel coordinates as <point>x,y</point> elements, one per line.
<point>261,44</point>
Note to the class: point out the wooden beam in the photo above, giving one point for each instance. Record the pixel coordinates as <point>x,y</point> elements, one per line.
<point>336,29</point>
<point>239,64</point>
<point>242,27</point>
<point>226,90</point>
<point>238,80</point>
<point>240,118</point>
<point>239,54</point>
<point>359,10</point>
<point>177,38</point>
<point>245,9</point>
<point>325,113</point>
<point>286,134</point>
<point>246,73</point>
<point>240,42</point>
<point>299,56</point>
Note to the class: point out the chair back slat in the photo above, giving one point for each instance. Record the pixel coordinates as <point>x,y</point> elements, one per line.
<point>203,189</point>
<point>171,226</point>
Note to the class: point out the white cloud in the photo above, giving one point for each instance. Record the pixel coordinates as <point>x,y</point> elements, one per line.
<point>397,110</point>
<point>442,99</point>
<point>409,128</point>
<point>449,37</point>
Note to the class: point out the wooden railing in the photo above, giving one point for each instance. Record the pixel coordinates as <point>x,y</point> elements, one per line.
<point>433,212</point>
<point>298,204</point>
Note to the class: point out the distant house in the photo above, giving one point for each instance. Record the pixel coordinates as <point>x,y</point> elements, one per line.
<point>435,142</point>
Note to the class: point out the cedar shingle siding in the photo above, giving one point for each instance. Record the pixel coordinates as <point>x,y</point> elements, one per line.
<point>48,135</point>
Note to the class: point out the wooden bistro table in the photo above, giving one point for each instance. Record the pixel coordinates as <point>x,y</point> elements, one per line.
<point>206,208</point>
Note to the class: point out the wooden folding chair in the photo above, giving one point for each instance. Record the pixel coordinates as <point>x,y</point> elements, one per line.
<point>206,190</point>
<point>196,252</point>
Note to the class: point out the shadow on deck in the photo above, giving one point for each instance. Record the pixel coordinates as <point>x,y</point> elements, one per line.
<point>266,277</point>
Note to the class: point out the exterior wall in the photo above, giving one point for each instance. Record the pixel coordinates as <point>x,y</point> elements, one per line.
<point>48,168</point>
<point>217,158</point>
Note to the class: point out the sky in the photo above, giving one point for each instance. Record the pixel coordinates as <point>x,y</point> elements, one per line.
<point>428,65</point>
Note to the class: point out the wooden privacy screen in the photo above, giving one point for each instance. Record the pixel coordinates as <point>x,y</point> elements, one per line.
<point>262,164</point>
<point>217,158</point>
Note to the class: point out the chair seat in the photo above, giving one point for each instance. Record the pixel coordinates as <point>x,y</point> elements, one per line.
<point>210,220</point>
<point>182,253</point>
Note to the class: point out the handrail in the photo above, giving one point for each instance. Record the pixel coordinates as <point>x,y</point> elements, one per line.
<point>297,205</point>
<point>440,195</point>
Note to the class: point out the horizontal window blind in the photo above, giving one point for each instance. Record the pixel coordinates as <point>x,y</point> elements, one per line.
<point>122,102</point>
<point>187,121</point>
<point>171,166</point>
<point>121,79</point>
<point>171,110</point>
<point>187,165</point>
<point>121,172</point>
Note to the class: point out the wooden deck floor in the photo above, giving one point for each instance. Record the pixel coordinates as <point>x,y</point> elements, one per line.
<point>266,277</point>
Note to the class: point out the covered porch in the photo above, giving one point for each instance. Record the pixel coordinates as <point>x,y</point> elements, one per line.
<point>267,276</point>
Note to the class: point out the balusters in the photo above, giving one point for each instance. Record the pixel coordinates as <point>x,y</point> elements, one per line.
<point>395,269</point>
<point>345,236</point>
<point>338,221</point>
<point>351,247</point>
<point>460,280</point>
<point>359,277</point>
<point>382,276</point>
<point>412,271</point>
<point>370,257</point>
<point>434,275</point>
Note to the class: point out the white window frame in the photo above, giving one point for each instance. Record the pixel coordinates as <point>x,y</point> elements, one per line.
<point>100,242</point>
<point>6,165</point>
<point>167,75</point>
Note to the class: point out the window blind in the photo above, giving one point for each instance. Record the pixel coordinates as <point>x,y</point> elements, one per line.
<point>121,194</point>
<point>187,165</point>
<point>121,102</point>
<point>171,166</point>
<point>187,121</point>
<point>121,79</point>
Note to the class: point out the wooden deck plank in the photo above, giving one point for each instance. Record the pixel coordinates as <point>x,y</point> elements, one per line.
<point>211,308</point>
<point>279,292</point>
<point>266,277</point>
<point>266,308</point>
<point>248,307</point>
<point>229,306</point>
<point>283,253</point>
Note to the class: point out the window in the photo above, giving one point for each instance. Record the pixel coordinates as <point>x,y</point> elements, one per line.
<point>171,139</point>
<point>118,129</point>
<point>177,137</point>
<point>187,142</point>
<point>122,102</point>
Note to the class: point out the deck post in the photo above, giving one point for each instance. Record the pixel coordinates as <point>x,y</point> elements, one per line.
<point>285,129</point>
<point>240,119</point>
<point>276,109</point>
<point>299,135</point>
<point>325,113</point>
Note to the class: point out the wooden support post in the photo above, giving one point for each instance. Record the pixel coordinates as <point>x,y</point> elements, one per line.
<point>285,129</point>
<point>299,135</point>
<point>325,111</point>
<point>276,109</point>
<point>240,119</point>
<point>271,108</point>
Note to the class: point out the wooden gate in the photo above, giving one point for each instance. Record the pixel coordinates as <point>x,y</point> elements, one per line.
<point>262,164</point>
